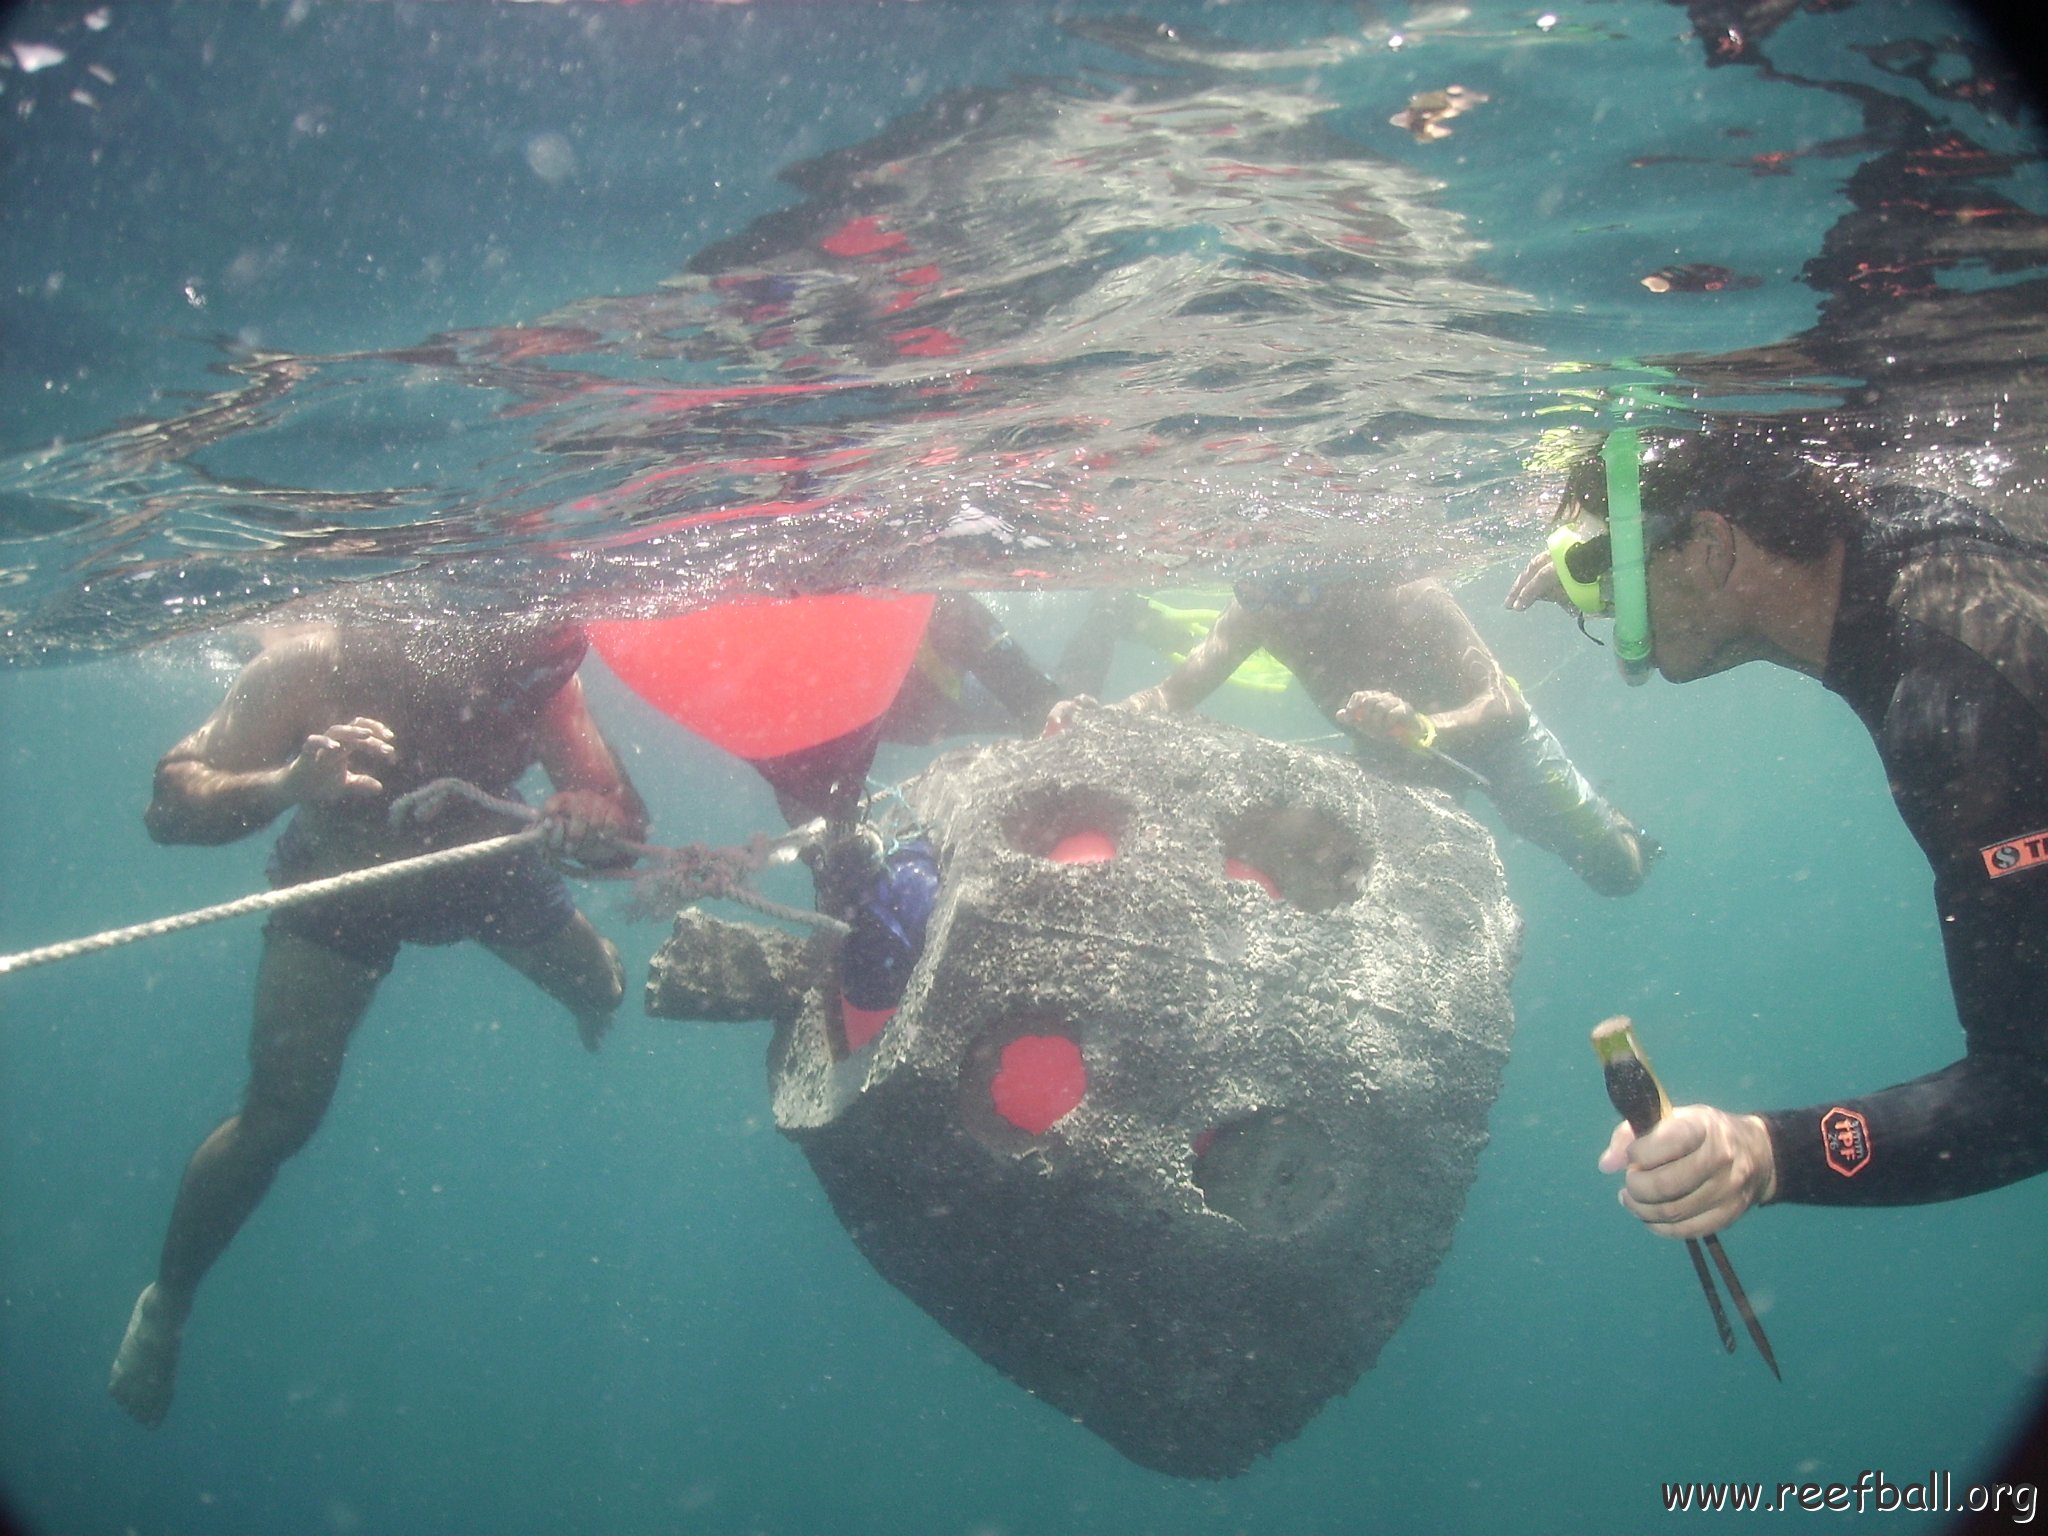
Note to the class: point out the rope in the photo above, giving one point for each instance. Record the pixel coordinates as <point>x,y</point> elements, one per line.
<point>689,874</point>
<point>681,875</point>
<point>430,799</point>
<point>266,901</point>
<point>746,896</point>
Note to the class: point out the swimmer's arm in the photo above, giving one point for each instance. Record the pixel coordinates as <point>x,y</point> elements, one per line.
<point>1963,749</point>
<point>593,800</point>
<point>1440,631</point>
<point>1981,1121</point>
<point>966,633</point>
<point>267,748</point>
<point>1978,1124</point>
<point>1221,652</point>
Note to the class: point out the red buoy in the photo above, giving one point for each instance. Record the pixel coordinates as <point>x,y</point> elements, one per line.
<point>763,677</point>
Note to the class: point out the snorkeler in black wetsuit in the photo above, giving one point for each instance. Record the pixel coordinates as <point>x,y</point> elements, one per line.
<point>1930,619</point>
<point>334,725</point>
<point>1941,647</point>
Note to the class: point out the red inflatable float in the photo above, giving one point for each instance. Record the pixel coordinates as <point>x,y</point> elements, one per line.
<point>762,677</point>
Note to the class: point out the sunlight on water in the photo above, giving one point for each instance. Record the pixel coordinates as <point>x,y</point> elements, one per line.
<point>1180,311</point>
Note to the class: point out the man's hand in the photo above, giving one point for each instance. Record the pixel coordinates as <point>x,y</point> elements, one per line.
<point>1146,701</point>
<point>326,768</point>
<point>1385,715</point>
<point>1064,713</point>
<point>1695,1172</point>
<point>1537,583</point>
<point>587,826</point>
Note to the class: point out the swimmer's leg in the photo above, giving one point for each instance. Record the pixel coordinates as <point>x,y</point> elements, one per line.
<point>579,968</point>
<point>309,1000</point>
<point>1541,795</point>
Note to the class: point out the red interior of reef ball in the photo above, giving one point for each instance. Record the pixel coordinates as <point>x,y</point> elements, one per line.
<point>1042,1077</point>
<point>862,1024</point>
<point>1085,847</point>
<point>1237,869</point>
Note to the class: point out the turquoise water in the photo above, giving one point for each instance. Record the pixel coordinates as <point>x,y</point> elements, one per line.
<point>513,1288</point>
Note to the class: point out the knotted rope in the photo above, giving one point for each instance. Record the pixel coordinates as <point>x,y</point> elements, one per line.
<point>676,876</point>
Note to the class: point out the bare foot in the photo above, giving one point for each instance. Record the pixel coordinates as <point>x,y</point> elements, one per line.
<point>146,1369</point>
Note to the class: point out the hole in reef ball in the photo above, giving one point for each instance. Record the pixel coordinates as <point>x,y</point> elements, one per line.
<point>1067,823</point>
<point>1298,853</point>
<point>1235,868</point>
<point>861,1024</point>
<point>1271,1171</point>
<point>1041,1078</point>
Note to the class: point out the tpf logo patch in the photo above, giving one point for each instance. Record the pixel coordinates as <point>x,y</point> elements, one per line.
<point>1845,1135</point>
<point>2009,858</point>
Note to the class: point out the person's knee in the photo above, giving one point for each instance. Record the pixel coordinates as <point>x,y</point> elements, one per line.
<point>274,1126</point>
<point>292,1078</point>
<point>593,984</point>
<point>1613,876</point>
<point>609,985</point>
<point>1618,864</point>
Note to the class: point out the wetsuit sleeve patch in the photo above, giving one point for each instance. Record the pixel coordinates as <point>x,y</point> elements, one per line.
<point>1845,1136</point>
<point>2015,854</point>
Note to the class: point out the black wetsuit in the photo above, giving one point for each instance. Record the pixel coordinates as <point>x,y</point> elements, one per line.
<point>1941,648</point>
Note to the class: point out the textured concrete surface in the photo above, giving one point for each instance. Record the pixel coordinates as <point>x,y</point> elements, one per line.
<point>1284,1097</point>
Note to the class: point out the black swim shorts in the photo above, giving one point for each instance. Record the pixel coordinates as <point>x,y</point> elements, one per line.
<point>514,899</point>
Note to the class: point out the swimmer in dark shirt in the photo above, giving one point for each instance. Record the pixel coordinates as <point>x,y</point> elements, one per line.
<point>1930,619</point>
<point>335,724</point>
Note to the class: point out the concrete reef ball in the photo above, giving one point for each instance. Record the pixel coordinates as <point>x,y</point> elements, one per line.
<point>1178,1113</point>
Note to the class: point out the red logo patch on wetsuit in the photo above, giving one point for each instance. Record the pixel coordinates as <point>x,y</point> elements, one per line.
<point>1845,1135</point>
<point>2016,854</point>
